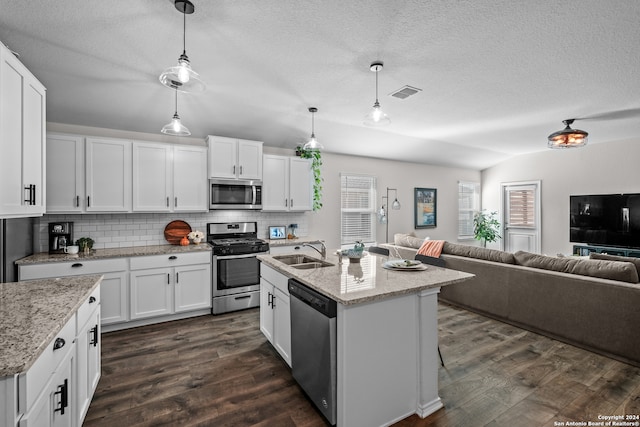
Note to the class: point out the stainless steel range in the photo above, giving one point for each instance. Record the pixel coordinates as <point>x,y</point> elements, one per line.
<point>235,270</point>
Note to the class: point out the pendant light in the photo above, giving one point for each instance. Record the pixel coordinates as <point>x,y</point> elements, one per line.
<point>182,77</point>
<point>376,117</point>
<point>383,213</point>
<point>313,143</point>
<point>175,127</point>
<point>568,138</point>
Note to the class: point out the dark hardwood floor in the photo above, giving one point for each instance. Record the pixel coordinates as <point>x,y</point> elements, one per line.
<point>220,371</point>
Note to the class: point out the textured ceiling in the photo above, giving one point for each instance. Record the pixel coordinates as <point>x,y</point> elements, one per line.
<point>497,77</point>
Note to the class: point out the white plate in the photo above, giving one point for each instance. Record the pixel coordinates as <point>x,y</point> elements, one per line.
<point>404,264</point>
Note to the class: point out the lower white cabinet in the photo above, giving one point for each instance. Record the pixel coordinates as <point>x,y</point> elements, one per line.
<point>57,389</point>
<point>275,318</point>
<point>167,284</point>
<point>114,286</point>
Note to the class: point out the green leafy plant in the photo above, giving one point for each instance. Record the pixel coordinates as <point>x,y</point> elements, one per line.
<point>316,162</point>
<point>85,243</point>
<point>486,227</point>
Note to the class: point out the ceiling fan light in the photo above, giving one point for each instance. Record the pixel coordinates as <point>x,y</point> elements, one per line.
<point>568,137</point>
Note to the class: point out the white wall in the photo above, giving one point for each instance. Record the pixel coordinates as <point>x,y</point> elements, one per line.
<point>594,169</point>
<point>401,175</point>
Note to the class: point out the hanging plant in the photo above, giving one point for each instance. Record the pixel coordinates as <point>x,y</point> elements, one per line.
<point>316,162</point>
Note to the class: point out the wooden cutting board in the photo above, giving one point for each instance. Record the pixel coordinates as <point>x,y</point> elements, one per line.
<point>175,231</point>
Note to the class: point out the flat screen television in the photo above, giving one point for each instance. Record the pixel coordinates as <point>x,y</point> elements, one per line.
<point>606,219</point>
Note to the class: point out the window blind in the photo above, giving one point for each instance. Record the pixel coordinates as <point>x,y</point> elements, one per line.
<point>468,204</point>
<point>358,201</point>
<point>522,208</point>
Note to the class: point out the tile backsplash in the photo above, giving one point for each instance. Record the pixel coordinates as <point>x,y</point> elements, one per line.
<point>141,229</point>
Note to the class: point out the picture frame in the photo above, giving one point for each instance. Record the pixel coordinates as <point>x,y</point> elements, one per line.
<point>425,207</point>
<point>277,232</point>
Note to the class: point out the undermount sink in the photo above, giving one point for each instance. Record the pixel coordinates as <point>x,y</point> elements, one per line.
<point>301,262</point>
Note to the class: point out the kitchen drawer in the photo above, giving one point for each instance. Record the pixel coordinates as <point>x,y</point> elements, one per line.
<point>170,260</point>
<point>276,278</point>
<point>31,383</point>
<point>88,307</point>
<point>73,268</point>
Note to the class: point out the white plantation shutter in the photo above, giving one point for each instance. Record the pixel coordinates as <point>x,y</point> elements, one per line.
<point>358,209</point>
<point>522,208</point>
<point>468,204</point>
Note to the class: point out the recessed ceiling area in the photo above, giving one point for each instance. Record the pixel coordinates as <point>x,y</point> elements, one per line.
<point>496,78</point>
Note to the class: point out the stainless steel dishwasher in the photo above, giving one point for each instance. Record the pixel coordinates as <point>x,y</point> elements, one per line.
<point>313,346</point>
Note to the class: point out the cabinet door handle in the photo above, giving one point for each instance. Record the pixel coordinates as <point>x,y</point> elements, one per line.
<point>31,197</point>
<point>175,204</point>
<point>234,169</point>
<point>172,257</point>
<point>168,279</point>
<point>167,201</point>
<point>76,265</point>
<point>242,297</point>
<point>92,300</point>
<point>286,203</point>
<point>33,194</point>
<point>88,201</point>
<point>240,169</point>
<point>58,344</point>
<point>94,336</point>
<point>177,277</point>
<point>291,202</point>
<point>77,201</point>
<point>63,391</point>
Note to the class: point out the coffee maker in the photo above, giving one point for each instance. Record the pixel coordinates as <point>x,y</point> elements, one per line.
<point>60,236</point>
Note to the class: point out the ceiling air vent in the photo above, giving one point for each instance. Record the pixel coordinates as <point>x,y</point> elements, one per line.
<point>405,92</point>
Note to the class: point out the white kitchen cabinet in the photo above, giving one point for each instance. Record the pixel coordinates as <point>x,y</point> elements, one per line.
<point>233,158</point>
<point>113,289</point>
<point>190,184</point>
<point>108,175</point>
<point>275,318</point>
<point>287,184</point>
<point>167,284</point>
<point>22,139</point>
<point>169,178</point>
<point>65,173</point>
<point>87,354</point>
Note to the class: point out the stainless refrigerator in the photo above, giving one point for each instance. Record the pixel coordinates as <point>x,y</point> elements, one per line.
<point>16,241</point>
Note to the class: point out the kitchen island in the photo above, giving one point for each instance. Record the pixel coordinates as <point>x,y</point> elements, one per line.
<point>387,335</point>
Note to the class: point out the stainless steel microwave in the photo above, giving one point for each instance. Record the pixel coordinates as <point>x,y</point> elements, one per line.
<point>235,194</point>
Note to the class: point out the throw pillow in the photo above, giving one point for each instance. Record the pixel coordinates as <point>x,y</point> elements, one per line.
<point>408,240</point>
<point>603,269</point>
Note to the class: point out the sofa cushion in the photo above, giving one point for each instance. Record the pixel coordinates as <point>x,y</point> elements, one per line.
<point>478,252</point>
<point>634,261</point>
<point>604,269</point>
<point>408,240</point>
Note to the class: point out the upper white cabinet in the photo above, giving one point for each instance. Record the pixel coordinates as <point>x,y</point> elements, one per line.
<point>108,175</point>
<point>169,178</point>
<point>22,139</point>
<point>233,158</point>
<point>65,173</point>
<point>287,184</point>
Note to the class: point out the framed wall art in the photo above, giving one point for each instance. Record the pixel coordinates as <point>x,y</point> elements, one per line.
<point>425,207</point>
<point>277,232</point>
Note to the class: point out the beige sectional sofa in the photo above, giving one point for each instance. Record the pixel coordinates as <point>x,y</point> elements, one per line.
<point>593,304</point>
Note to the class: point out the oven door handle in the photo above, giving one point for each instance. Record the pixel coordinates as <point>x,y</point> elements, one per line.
<point>223,257</point>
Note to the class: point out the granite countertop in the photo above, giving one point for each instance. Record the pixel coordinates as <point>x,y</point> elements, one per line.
<point>33,312</point>
<point>44,257</point>
<point>356,283</point>
<point>291,242</point>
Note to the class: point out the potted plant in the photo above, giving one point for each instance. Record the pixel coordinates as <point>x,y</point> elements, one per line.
<point>316,162</point>
<point>486,227</point>
<point>85,244</point>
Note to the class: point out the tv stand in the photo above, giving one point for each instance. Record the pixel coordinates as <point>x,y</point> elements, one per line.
<point>584,250</point>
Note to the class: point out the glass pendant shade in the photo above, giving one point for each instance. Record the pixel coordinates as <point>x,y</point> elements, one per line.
<point>376,116</point>
<point>395,205</point>
<point>182,77</point>
<point>382,215</point>
<point>568,138</point>
<point>175,127</point>
<point>313,143</point>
